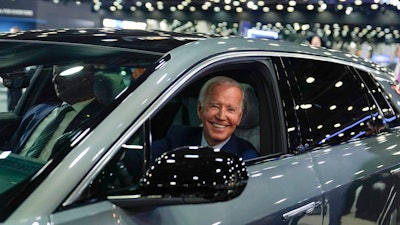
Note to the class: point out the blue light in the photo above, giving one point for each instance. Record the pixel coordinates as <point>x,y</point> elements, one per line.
<point>253,33</point>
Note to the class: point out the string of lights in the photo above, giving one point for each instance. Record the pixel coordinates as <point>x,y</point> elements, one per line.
<point>346,6</point>
<point>336,20</point>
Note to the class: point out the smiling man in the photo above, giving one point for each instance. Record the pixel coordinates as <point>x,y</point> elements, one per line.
<point>220,108</point>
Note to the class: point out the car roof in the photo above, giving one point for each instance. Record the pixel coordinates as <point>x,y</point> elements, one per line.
<point>146,40</point>
<point>153,42</point>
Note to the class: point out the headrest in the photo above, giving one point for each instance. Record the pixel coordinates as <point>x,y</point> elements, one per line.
<point>250,116</point>
<point>107,86</point>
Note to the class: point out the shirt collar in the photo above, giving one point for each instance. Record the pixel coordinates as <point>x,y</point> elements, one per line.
<point>218,146</point>
<point>80,105</point>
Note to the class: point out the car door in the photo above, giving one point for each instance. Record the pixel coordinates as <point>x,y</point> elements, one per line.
<point>355,165</point>
<point>274,193</point>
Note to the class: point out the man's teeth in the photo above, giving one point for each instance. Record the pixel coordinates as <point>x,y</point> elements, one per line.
<point>218,125</point>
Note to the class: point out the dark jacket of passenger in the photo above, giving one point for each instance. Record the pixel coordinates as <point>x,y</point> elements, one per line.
<point>36,114</point>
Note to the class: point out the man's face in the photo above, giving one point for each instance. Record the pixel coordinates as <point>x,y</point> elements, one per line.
<point>72,87</point>
<point>221,113</point>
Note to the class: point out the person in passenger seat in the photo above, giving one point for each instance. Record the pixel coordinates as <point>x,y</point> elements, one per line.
<point>220,108</point>
<point>43,124</point>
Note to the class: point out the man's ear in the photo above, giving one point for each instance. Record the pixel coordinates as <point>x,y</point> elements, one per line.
<point>240,118</point>
<point>199,109</point>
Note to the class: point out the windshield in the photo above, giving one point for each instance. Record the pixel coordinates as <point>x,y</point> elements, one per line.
<point>49,94</point>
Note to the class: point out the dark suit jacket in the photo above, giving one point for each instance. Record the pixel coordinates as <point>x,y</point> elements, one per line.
<point>36,114</point>
<point>179,136</point>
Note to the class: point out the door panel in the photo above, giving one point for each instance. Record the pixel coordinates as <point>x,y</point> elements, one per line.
<point>98,213</point>
<point>282,191</point>
<point>364,191</point>
<point>9,122</point>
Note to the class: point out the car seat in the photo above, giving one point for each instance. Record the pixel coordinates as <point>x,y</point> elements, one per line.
<point>249,127</point>
<point>107,86</point>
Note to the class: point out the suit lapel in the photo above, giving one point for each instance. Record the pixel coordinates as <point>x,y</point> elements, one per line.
<point>86,114</point>
<point>231,145</point>
<point>30,123</point>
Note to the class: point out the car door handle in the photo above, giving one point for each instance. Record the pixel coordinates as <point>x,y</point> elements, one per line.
<point>306,209</point>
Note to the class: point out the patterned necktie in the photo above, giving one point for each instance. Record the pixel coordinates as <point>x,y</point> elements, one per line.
<point>48,132</point>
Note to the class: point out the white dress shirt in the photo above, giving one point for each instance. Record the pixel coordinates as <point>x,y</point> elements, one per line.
<point>47,150</point>
<point>218,146</point>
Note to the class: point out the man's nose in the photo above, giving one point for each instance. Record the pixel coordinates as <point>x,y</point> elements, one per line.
<point>221,114</point>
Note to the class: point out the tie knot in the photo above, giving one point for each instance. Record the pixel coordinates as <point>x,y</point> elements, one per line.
<point>65,108</point>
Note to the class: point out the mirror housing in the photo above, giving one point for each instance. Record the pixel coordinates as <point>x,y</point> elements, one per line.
<point>196,172</point>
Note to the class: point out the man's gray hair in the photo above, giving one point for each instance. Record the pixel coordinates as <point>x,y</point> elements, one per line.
<point>218,80</point>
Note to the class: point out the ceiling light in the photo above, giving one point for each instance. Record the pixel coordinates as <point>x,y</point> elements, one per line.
<point>96,7</point>
<point>349,10</point>
<point>279,7</point>
<point>322,7</point>
<point>250,4</point>
<point>310,80</point>
<point>338,84</point>
<point>305,27</point>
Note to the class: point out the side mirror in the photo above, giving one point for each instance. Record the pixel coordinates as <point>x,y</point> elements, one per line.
<point>196,172</point>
